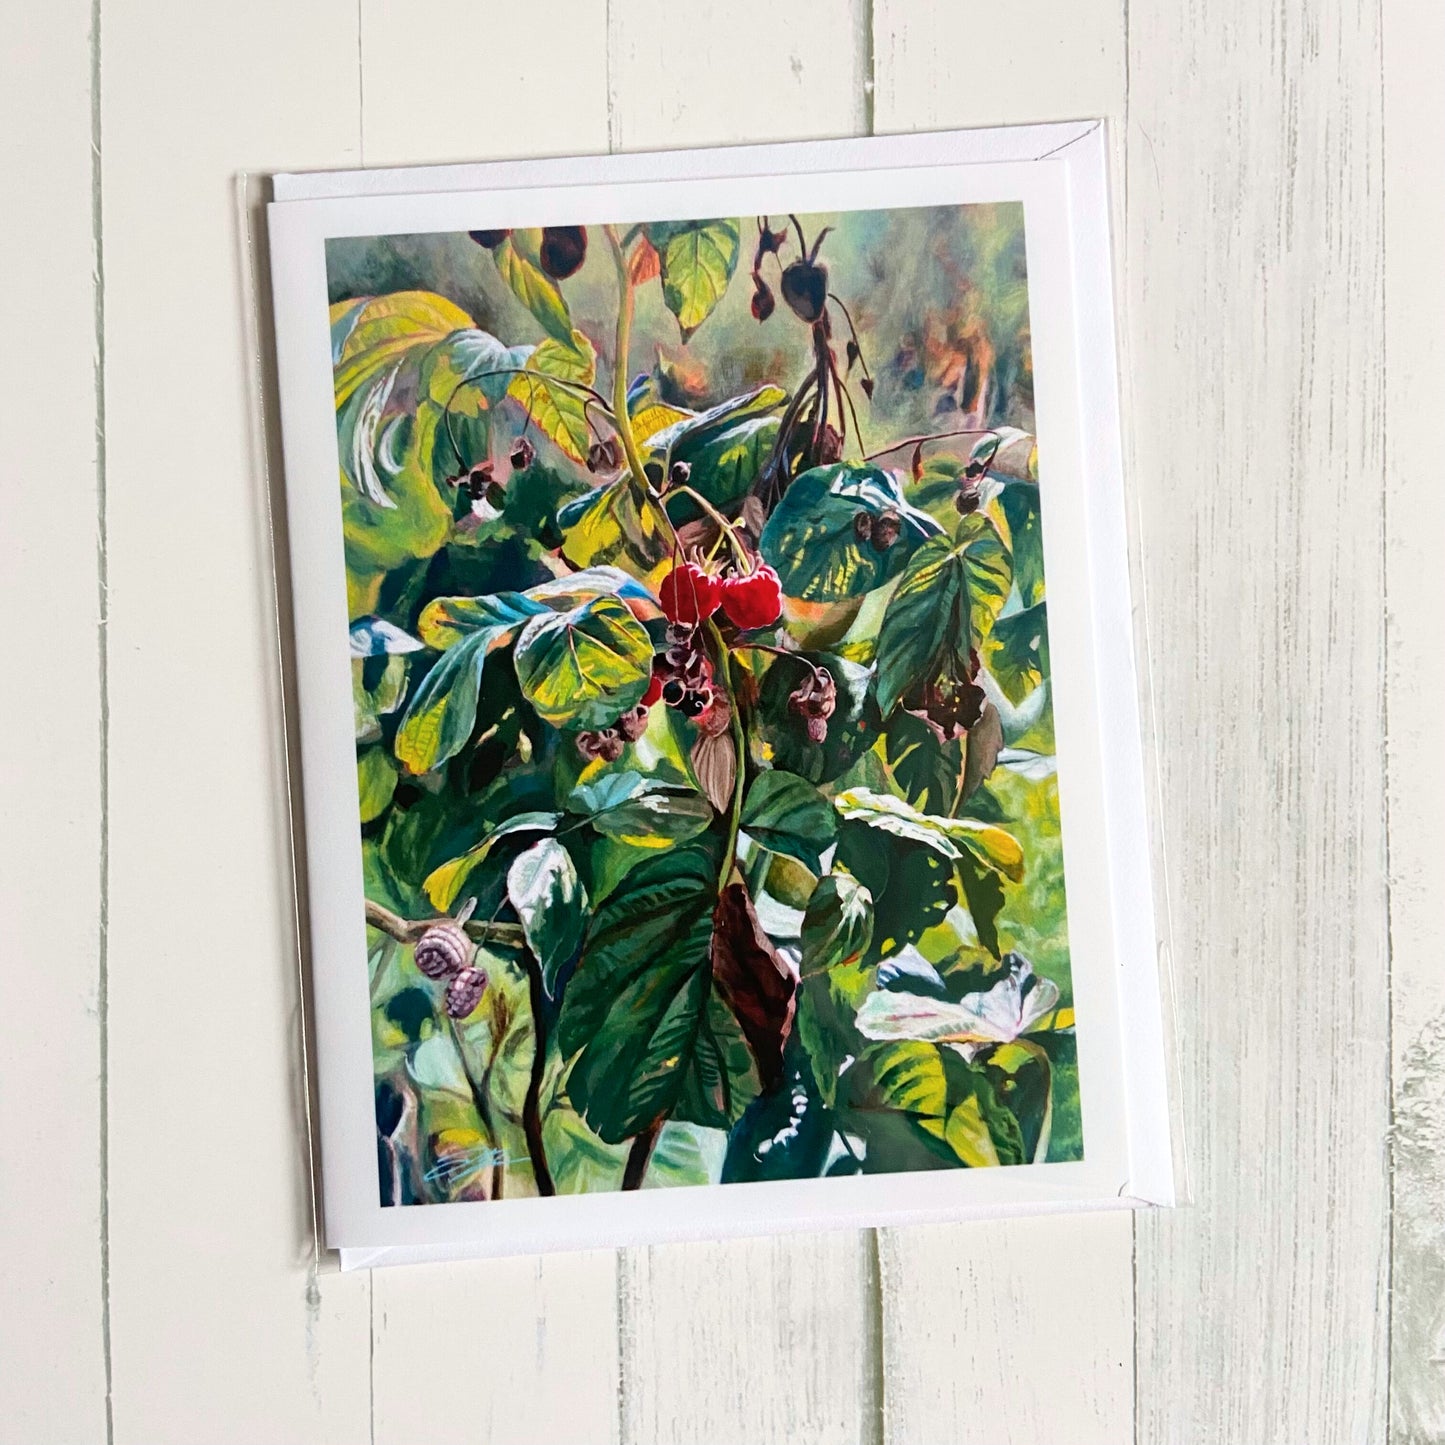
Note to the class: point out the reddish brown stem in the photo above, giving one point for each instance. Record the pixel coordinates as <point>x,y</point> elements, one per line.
<point>640,1155</point>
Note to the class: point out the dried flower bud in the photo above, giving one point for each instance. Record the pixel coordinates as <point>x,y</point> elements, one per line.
<point>763,303</point>
<point>523,454</point>
<point>465,992</point>
<point>817,729</point>
<point>851,351</point>
<point>770,242</point>
<point>717,718</point>
<point>862,525</point>
<point>815,697</point>
<point>679,474</point>
<point>967,499</point>
<point>478,480</point>
<point>609,745</point>
<point>885,531</point>
<point>830,445</point>
<point>563,250</point>
<point>867,385</point>
<point>490,239</point>
<point>633,723</point>
<point>443,950</point>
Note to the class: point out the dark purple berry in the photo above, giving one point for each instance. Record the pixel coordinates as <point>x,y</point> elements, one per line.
<point>673,692</point>
<point>564,248</point>
<point>763,303</point>
<point>523,455</point>
<point>490,239</point>
<point>885,531</point>
<point>679,473</point>
<point>805,289</point>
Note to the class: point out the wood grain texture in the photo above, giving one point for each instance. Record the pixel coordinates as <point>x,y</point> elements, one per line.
<point>52,1345</point>
<point>769,74</point>
<point>1414,218</point>
<point>512,1351</point>
<point>1020,1331</point>
<point>516,80</point>
<point>222,1330</point>
<point>763,1339</point>
<point>1012,1332</point>
<point>1255,328</point>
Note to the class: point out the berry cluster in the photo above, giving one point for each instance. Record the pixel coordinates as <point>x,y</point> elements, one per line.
<point>682,676</point>
<point>880,531</point>
<point>445,952</point>
<point>689,594</point>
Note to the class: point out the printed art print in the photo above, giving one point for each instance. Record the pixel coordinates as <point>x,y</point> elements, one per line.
<point>704,737</point>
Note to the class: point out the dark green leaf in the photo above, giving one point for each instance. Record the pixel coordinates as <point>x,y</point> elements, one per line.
<point>837,924</point>
<point>783,1134</point>
<point>786,814</point>
<point>640,1013</point>
<point>851,730</point>
<point>983,892</point>
<point>1019,502</point>
<point>813,537</point>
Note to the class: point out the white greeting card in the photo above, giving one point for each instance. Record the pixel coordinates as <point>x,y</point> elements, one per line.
<point>723,787</point>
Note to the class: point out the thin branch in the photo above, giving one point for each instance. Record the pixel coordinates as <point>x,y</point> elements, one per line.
<point>408,930</point>
<point>532,1105</point>
<point>933,436</point>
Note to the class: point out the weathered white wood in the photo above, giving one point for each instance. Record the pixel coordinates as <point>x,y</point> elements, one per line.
<point>1254,315</point>
<point>221,1329</point>
<point>515,1351</point>
<point>768,73</point>
<point>765,1339</point>
<point>473,80</point>
<point>52,1348</point>
<point>539,1336</point>
<point>752,1339</point>
<point>1414,218</point>
<point>1020,1330</point>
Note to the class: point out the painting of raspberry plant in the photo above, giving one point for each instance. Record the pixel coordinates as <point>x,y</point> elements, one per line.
<point>704,728</point>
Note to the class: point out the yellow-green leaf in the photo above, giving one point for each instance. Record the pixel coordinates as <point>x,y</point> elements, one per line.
<point>559,410</point>
<point>697,259</point>
<point>517,261</point>
<point>583,668</point>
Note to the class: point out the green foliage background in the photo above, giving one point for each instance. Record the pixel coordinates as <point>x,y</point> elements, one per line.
<point>466,719</point>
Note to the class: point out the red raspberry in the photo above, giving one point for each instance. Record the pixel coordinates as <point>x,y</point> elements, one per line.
<point>688,594</point>
<point>654,691</point>
<point>753,600</point>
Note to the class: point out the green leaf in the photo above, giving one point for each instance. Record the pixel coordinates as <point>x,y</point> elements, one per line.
<point>852,729</point>
<point>446,621</point>
<point>655,819</point>
<point>375,782</point>
<point>1017,651</point>
<point>616,524</point>
<point>812,538</point>
<point>697,259</point>
<point>837,924</point>
<point>945,603</point>
<point>517,261</point>
<point>444,885</point>
<point>443,710</point>
<point>558,409</point>
<point>992,846</point>
<point>786,814</point>
<point>551,904</point>
<point>584,667</point>
<point>911,1078</point>
<point>1019,504</point>
<point>725,467</point>
<point>640,1013</point>
<point>455,371</point>
<point>983,892</point>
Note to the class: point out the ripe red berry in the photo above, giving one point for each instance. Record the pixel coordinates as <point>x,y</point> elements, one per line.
<point>755,599</point>
<point>688,594</point>
<point>653,693</point>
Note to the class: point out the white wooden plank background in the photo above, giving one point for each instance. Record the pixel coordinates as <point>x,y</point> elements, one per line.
<point>1283,384</point>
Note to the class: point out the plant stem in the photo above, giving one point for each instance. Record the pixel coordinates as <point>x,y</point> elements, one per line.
<point>728,529</point>
<point>479,1101</point>
<point>933,436</point>
<point>735,813</point>
<point>620,417</point>
<point>640,1155</point>
<point>532,1105</point>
